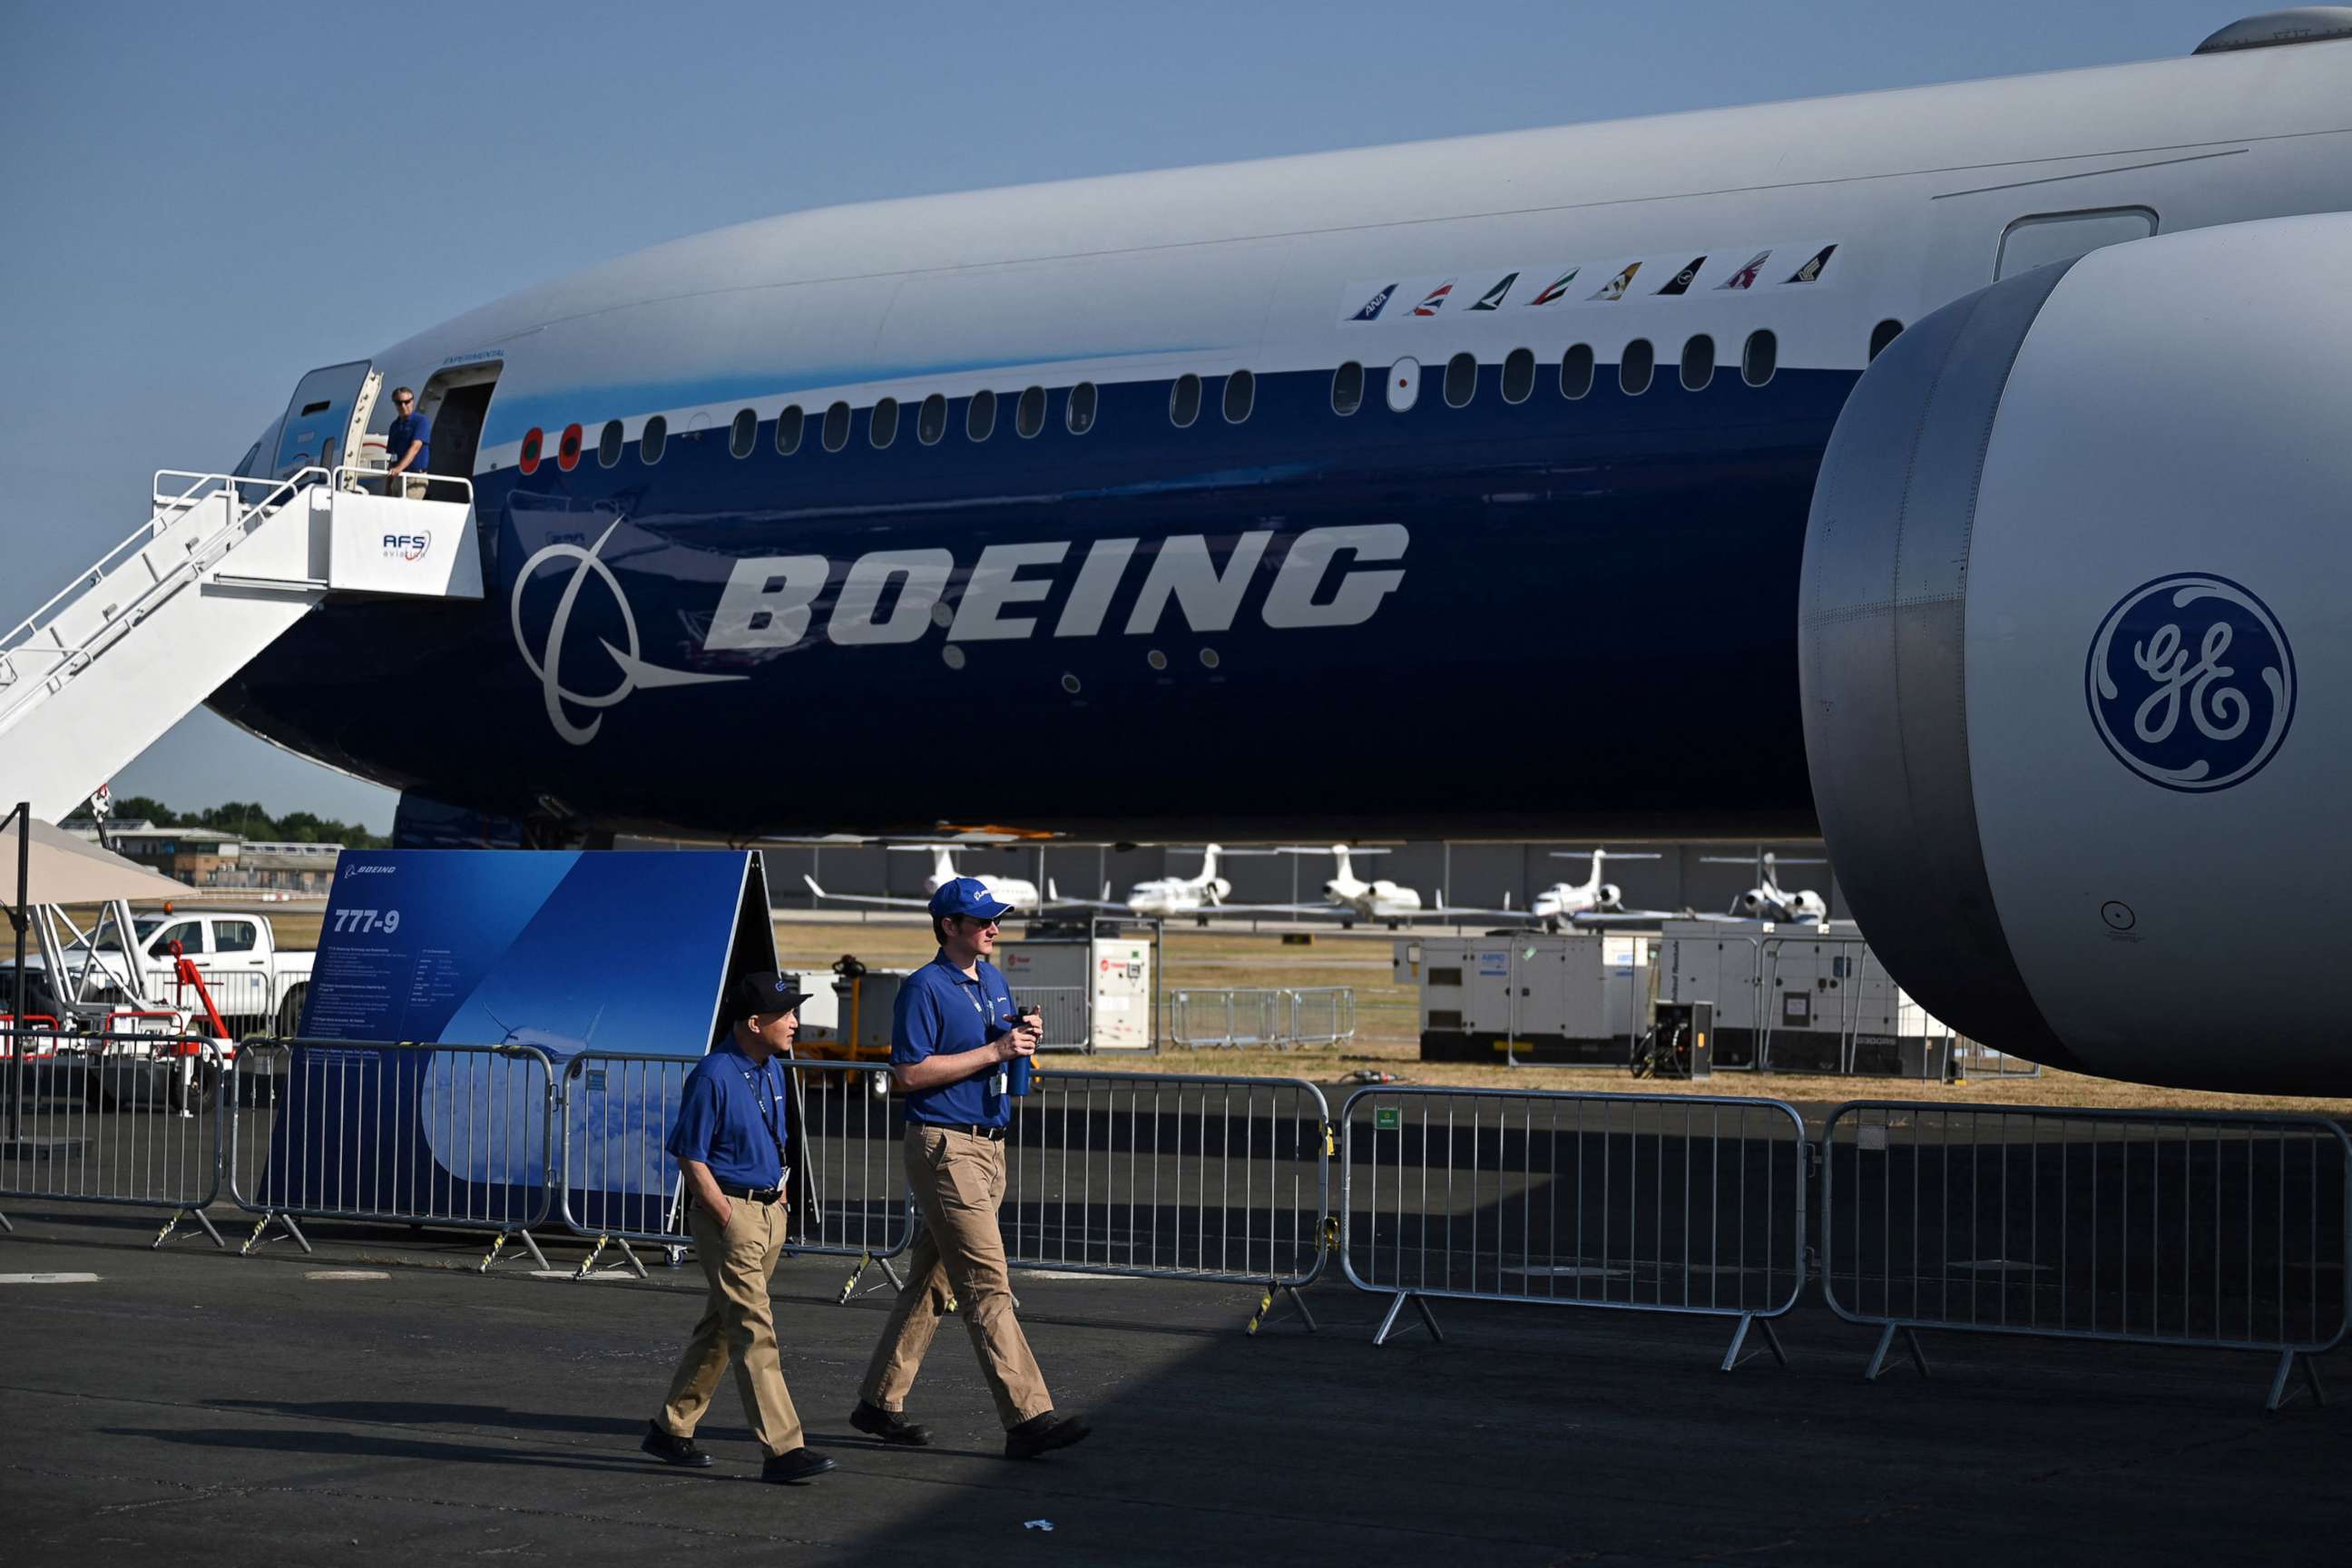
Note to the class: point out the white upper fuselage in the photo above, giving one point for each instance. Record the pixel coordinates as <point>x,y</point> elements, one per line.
<point>1216,266</point>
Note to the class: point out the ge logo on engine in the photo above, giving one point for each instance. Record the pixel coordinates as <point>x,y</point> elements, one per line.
<point>2191,682</point>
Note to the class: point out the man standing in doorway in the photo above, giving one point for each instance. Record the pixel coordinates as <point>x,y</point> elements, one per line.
<point>730,1146</point>
<point>407,446</point>
<point>950,1034</point>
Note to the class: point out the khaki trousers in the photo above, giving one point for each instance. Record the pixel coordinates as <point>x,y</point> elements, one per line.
<point>958,1181</point>
<point>738,1259</point>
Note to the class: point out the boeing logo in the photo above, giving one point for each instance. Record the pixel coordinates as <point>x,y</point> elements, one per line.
<point>2191,683</point>
<point>353,869</point>
<point>547,663</point>
<point>1326,579</point>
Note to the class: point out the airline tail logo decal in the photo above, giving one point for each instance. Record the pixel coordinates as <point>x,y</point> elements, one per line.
<point>1493,298</point>
<point>1811,271</point>
<point>1616,288</point>
<point>1435,300</point>
<point>1746,277</point>
<point>1373,307</point>
<point>1557,286</point>
<point>1681,281</point>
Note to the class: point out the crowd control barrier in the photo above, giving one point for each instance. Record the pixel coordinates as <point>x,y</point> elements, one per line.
<point>846,1194</point>
<point>1235,1017</point>
<point>1167,1176</point>
<point>2166,1228</point>
<point>1642,1203</point>
<point>127,1119</point>
<point>455,1136</point>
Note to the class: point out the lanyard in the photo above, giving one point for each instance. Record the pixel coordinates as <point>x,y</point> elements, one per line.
<point>763,1096</point>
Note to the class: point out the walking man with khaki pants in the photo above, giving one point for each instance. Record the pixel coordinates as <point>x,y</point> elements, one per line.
<point>951,1034</point>
<point>730,1146</point>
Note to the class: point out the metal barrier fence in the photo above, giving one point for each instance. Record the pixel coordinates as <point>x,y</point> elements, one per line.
<point>1172,1177</point>
<point>846,1194</point>
<point>455,1136</point>
<point>1235,1017</point>
<point>122,1119</point>
<point>1644,1202</point>
<point>2171,1228</point>
<point>237,995</point>
<point>1974,1058</point>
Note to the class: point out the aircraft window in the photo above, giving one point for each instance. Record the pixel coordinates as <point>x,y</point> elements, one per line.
<point>1698,363</point>
<point>529,459</point>
<point>1461,379</point>
<point>567,450</point>
<point>882,424</point>
<point>932,422</point>
<point>1882,334</point>
<point>1576,370</point>
<point>788,430</point>
<point>1634,367</point>
<point>1404,384</point>
<point>608,445</point>
<point>1758,359</point>
<point>1184,401</point>
<point>836,428</point>
<point>1240,396</point>
<point>1348,388</point>
<point>1029,414</point>
<point>742,433</point>
<point>1078,412</point>
<point>650,443</point>
<point>980,419</point>
<point>1518,376</point>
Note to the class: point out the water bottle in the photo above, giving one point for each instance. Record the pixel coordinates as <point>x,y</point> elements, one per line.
<point>1024,1069</point>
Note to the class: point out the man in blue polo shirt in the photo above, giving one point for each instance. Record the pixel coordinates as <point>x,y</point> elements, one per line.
<point>407,446</point>
<point>729,1145</point>
<point>951,1034</point>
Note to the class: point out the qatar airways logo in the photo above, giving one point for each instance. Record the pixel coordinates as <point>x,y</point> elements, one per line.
<point>1328,577</point>
<point>2191,683</point>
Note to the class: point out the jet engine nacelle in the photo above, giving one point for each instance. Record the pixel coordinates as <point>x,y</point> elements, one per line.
<point>2075,653</point>
<point>1611,897</point>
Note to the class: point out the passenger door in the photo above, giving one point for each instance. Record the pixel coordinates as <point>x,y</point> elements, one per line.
<point>327,404</point>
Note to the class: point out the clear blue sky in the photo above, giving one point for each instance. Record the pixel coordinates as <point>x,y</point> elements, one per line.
<point>200,199</point>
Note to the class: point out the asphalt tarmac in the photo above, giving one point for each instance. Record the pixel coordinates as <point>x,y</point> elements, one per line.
<point>379,1402</point>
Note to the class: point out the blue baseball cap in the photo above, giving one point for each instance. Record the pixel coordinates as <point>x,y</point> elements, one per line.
<point>967,896</point>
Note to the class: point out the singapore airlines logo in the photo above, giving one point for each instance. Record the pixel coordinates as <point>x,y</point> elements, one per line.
<point>547,664</point>
<point>2191,683</point>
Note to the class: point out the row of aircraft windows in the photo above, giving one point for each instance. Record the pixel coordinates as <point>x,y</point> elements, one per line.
<point>1637,367</point>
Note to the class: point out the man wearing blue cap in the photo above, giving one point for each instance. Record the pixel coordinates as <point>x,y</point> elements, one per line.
<point>729,1141</point>
<point>951,1032</point>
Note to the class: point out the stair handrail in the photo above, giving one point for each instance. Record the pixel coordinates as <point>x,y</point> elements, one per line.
<point>154,527</point>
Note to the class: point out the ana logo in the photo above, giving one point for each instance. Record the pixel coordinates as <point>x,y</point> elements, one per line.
<point>548,662</point>
<point>2191,682</point>
<point>406,546</point>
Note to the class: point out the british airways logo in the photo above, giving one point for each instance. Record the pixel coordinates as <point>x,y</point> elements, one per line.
<point>2191,682</point>
<point>1328,577</point>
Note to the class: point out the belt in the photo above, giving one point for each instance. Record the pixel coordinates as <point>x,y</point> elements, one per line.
<point>752,1194</point>
<point>976,1130</point>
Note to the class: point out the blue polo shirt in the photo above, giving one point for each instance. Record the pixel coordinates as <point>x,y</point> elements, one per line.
<point>407,428</point>
<point>941,1011</point>
<point>730,1117</point>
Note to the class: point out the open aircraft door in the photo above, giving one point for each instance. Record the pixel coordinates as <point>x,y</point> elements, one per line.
<point>330,406</point>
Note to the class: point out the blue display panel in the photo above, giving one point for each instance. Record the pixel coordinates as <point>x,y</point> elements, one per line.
<point>561,952</point>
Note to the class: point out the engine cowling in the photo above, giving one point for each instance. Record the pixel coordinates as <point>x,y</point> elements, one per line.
<point>2075,646</point>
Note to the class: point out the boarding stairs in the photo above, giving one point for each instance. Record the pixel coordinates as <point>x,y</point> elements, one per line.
<point>220,570</point>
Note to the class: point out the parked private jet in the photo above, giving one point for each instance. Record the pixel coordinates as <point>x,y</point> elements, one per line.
<point>1018,891</point>
<point>1768,900</point>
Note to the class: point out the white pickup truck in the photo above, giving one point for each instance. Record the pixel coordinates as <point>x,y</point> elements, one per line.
<point>257,986</point>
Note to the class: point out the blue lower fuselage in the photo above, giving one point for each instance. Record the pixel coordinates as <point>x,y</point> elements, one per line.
<point>1594,627</point>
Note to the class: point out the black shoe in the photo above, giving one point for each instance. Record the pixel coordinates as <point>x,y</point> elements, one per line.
<point>1043,1434</point>
<point>800,1465</point>
<point>889,1425</point>
<point>673,1450</point>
